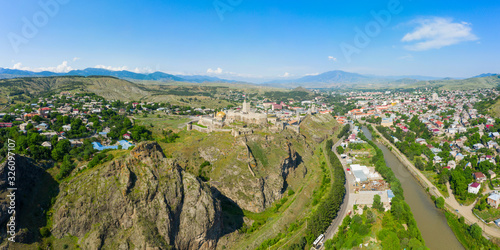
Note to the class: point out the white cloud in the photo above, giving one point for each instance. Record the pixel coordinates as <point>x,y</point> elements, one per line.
<point>332,58</point>
<point>217,71</point>
<point>76,59</point>
<point>111,67</point>
<point>438,32</point>
<point>286,74</point>
<point>19,66</point>
<point>312,74</point>
<point>146,70</point>
<point>61,68</point>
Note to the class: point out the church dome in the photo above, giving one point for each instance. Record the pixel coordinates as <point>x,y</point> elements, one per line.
<point>221,114</point>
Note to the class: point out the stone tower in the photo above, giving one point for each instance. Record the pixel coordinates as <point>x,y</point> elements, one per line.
<point>246,107</point>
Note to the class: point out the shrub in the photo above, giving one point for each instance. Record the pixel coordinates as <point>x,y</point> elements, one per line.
<point>44,232</point>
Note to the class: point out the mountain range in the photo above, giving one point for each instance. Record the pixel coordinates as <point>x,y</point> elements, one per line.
<point>339,78</point>
<point>123,74</point>
<point>330,79</point>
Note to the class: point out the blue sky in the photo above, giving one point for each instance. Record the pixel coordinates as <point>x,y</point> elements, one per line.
<point>253,40</point>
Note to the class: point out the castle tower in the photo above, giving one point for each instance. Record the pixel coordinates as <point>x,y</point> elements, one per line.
<point>246,107</point>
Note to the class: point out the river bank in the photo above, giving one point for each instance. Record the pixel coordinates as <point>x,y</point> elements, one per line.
<point>430,220</point>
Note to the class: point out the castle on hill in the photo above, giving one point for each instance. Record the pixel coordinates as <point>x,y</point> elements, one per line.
<point>224,121</point>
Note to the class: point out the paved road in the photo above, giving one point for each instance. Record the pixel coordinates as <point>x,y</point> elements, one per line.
<point>346,205</point>
<point>465,211</point>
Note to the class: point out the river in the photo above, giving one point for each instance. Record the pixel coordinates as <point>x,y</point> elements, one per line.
<point>431,222</point>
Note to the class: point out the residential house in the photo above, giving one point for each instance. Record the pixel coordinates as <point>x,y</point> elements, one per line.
<point>479,177</point>
<point>436,150</point>
<point>386,122</point>
<point>452,164</point>
<point>452,131</point>
<point>421,141</point>
<point>492,174</point>
<point>474,188</point>
<point>66,127</point>
<point>437,159</point>
<point>5,124</point>
<point>493,200</point>
<point>75,143</point>
<point>492,144</point>
<point>22,126</point>
<point>48,135</point>
<point>42,126</point>
<point>495,135</point>
<point>459,157</point>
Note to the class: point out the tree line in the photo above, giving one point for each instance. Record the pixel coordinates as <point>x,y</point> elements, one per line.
<point>328,208</point>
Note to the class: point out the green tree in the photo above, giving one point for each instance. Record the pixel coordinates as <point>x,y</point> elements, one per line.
<point>37,118</point>
<point>391,241</point>
<point>66,168</point>
<point>419,164</point>
<point>63,147</point>
<point>440,202</point>
<point>377,203</point>
<point>340,149</point>
<point>475,231</point>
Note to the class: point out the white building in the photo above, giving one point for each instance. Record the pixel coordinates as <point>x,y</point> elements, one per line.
<point>474,188</point>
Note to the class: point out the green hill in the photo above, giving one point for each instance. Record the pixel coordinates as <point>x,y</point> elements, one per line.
<point>112,88</point>
<point>454,84</point>
<point>108,87</point>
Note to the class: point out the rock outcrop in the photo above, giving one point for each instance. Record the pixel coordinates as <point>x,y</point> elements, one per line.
<point>268,161</point>
<point>138,201</point>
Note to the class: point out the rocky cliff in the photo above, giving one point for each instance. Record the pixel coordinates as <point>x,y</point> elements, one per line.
<point>141,200</point>
<point>257,174</point>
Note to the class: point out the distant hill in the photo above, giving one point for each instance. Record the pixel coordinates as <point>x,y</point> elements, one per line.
<point>107,87</point>
<point>330,79</point>
<point>22,89</point>
<point>342,79</point>
<point>201,79</point>
<point>485,74</point>
<point>301,89</point>
<point>123,74</point>
<point>334,77</point>
<point>413,77</point>
<point>459,84</point>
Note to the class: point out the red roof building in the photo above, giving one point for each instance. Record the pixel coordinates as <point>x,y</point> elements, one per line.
<point>475,185</point>
<point>5,124</point>
<point>479,176</point>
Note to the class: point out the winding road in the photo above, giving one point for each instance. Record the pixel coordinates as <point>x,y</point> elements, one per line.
<point>347,203</point>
